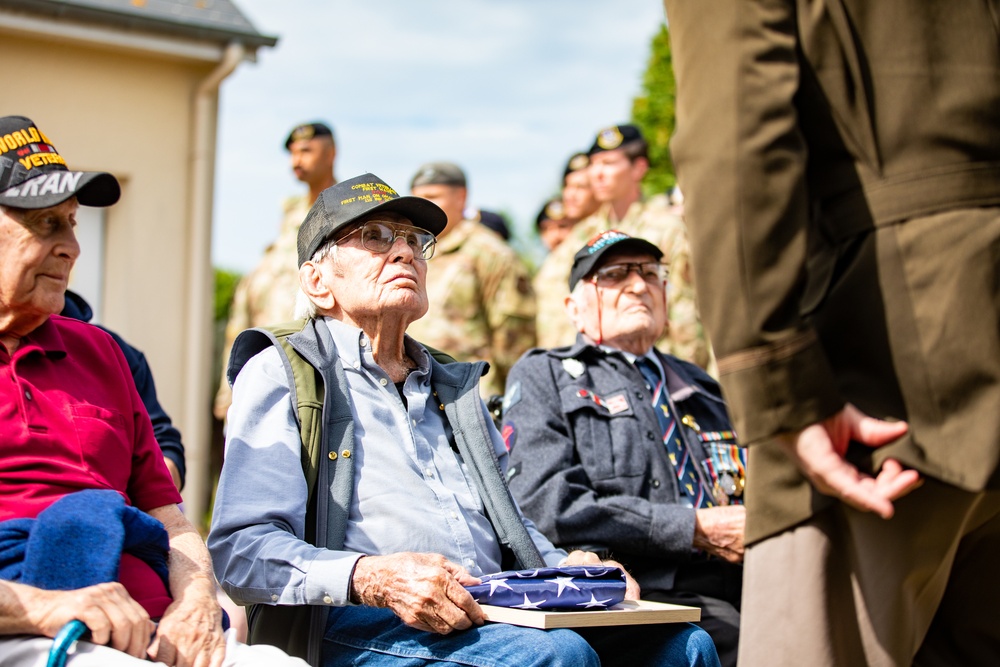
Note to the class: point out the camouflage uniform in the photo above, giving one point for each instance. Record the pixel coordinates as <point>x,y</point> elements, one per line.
<point>481,302</point>
<point>267,294</point>
<point>654,220</point>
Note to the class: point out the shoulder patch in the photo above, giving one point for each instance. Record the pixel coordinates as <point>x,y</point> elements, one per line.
<point>512,398</point>
<point>574,367</point>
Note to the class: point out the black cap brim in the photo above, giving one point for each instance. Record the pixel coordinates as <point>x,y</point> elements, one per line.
<point>586,265</point>
<point>92,188</point>
<point>421,212</point>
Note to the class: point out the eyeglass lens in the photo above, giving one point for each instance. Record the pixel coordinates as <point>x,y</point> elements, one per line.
<point>378,237</point>
<point>615,274</point>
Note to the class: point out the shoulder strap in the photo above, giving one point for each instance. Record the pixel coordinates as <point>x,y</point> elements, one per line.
<point>304,384</point>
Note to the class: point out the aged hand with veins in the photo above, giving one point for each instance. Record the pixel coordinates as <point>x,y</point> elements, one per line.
<point>424,590</point>
<point>579,557</point>
<point>818,450</point>
<point>719,531</point>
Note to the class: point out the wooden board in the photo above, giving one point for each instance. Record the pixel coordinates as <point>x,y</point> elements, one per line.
<point>629,612</point>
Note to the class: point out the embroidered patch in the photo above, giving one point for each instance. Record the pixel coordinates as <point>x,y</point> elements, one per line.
<point>617,403</point>
<point>508,436</point>
<point>511,398</point>
<point>574,367</point>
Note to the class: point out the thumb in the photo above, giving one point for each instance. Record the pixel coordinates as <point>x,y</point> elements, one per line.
<point>875,432</point>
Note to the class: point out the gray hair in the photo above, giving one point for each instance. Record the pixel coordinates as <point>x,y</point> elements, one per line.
<point>304,306</point>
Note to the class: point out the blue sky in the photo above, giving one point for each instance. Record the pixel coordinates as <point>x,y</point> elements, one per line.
<point>508,89</point>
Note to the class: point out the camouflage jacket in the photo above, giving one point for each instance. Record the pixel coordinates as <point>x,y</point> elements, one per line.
<point>481,302</point>
<point>267,294</point>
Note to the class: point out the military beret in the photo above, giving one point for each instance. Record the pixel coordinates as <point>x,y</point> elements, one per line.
<point>307,131</point>
<point>439,173</point>
<point>614,137</point>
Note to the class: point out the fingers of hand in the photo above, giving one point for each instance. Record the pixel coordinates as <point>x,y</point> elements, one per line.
<point>114,618</point>
<point>579,557</point>
<point>190,636</point>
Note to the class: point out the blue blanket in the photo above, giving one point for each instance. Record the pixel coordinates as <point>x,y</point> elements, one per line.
<point>78,541</point>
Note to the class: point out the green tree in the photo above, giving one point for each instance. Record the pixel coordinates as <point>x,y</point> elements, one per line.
<point>653,111</point>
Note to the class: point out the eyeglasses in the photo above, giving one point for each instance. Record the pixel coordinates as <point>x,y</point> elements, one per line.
<point>379,236</point>
<point>614,275</point>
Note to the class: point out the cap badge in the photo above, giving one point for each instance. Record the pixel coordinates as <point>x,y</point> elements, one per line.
<point>609,138</point>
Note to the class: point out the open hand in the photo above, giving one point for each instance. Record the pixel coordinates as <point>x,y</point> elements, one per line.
<point>818,451</point>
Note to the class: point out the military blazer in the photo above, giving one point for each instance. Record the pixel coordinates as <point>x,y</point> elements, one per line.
<point>840,161</point>
<point>587,460</point>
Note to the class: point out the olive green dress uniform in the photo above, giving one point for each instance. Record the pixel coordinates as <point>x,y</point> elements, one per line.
<point>652,219</point>
<point>267,294</point>
<point>840,161</point>
<point>481,302</point>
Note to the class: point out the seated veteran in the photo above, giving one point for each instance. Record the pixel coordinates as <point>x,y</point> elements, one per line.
<point>89,523</point>
<point>615,444</point>
<point>354,536</point>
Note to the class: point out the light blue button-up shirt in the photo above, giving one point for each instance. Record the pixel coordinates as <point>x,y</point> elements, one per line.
<point>411,489</point>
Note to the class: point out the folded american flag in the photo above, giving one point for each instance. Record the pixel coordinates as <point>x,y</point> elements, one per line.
<point>574,587</point>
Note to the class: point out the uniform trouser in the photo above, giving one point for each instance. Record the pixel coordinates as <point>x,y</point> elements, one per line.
<point>848,588</point>
<point>34,652</point>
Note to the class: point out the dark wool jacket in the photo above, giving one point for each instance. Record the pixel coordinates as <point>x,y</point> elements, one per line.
<point>596,472</point>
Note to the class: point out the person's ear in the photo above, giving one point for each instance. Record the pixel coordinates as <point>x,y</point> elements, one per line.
<point>639,168</point>
<point>314,286</point>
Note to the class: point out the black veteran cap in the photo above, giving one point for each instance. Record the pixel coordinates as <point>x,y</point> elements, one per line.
<point>34,175</point>
<point>614,137</point>
<point>439,173</point>
<point>341,204</point>
<point>588,258</point>
<point>576,162</point>
<point>307,131</point>
<point>553,210</point>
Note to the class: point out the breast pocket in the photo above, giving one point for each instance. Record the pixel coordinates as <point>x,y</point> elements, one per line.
<point>610,440</point>
<point>102,438</point>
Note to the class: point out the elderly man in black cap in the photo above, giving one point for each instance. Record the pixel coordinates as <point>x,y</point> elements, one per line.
<point>353,536</point>
<point>266,295</point>
<point>616,444</point>
<point>618,162</point>
<point>90,528</point>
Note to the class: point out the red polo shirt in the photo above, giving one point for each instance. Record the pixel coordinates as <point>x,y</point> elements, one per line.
<point>71,419</point>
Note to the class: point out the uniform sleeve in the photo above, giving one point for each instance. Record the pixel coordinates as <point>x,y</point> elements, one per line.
<point>239,320</point>
<point>257,540</point>
<point>741,163</point>
<point>509,302</point>
<point>551,484</point>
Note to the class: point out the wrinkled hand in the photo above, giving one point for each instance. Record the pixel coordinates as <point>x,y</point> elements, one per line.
<point>190,632</point>
<point>818,450</point>
<point>424,590</point>
<point>579,557</point>
<point>114,618</point>
<point>719,531</point>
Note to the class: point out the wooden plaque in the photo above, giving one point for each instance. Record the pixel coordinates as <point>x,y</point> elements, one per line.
<point>629,612</point>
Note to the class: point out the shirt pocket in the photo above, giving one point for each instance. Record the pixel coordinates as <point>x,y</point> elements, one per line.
<point>105,450</point>
<point>610,441</point>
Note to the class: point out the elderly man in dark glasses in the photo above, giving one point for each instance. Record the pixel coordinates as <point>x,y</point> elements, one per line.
<point>615,445</point>
<point>363,485</point>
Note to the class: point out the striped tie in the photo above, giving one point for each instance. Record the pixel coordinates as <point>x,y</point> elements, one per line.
<point>693,493</point>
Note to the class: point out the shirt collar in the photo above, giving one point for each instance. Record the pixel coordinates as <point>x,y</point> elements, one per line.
<point>45,339</point>
<point>353,345</point>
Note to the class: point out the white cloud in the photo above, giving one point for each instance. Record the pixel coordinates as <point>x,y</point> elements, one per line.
<point>507,89</point>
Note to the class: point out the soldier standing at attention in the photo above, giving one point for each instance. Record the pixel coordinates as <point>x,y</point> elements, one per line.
<point>482,304</point>
<point>618,163</point>
<point>267,294</point>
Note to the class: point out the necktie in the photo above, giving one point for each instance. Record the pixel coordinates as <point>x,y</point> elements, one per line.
<point>691,489</point>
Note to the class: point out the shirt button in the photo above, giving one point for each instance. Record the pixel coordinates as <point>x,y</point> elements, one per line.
<point>364,342</point>
<point>27,394</point>
<point>454,515</point>
<point>357,365</point>
<point>327,599</point>
<point>413,421</point>
<point>470,563</point>
<point>650,436</point>
<point>274,597</point>
<point>383,382</point>
<point>429,473</point>
<point>655,483</point>
<point>639,395</point>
